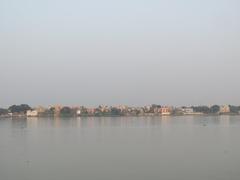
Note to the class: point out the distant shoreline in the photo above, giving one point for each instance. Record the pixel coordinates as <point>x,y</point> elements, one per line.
<point>111,116</point>
<point>24,110</point>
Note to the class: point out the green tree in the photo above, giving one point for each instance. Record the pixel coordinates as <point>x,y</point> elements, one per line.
<point>66,111</point>
<point>84,111</point>
<point>3,111</point>
<point>202,109</point>
<point>215,109</point>
<point>23,108</point>
<point>234,109</point>
<point>116,111</point>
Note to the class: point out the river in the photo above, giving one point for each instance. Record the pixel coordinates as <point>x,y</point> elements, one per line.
<point>120,148</point>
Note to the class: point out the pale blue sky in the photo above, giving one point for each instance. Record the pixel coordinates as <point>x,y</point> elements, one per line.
<point>178,52</point>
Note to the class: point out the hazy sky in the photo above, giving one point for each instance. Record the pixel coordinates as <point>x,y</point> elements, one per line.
<point>134,52</point>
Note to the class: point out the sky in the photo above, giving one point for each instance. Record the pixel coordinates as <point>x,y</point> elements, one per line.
<point>133,52</point>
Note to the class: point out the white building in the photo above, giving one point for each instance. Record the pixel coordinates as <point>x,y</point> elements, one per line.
<point>190,111</point>
<point>78,112</point>
<point>187,110</point>
<point>32,113</point>
<point>224,109</point>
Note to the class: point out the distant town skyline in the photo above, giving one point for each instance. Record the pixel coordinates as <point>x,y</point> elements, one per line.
<point>125,52</point>
<point>24,110</point>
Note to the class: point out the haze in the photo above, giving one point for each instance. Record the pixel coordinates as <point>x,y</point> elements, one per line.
<point>171,52</point>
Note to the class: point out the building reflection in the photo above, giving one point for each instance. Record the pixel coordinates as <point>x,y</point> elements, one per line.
<point>32,122</point>
<point>224,120</point>
<point>123,122</point>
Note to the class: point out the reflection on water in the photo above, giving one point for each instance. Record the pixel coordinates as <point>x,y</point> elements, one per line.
<point>106,148</point>
<point>125,122</point>
<point>19,122</point>
<point>92,122</point>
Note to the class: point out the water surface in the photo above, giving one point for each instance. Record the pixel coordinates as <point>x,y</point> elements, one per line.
<point>121,148</point>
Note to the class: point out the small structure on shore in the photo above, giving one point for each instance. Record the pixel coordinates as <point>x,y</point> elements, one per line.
<point>32,113</point>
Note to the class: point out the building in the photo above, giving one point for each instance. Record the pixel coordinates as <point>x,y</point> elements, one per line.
<point>157,110</point>
<point>165,111</point>
<point>32,113</point>
<point>91,111</point>
<point>224,109</point>
<point>187,110</point>
<point>56,109</point>
<point>40,109</point>
<point>104,109</point>
<point>78,112</point>
<point>147,109</point>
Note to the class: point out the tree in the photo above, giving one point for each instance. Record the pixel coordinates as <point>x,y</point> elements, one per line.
<point>66,111</point>
<point>52,109</point>
<point>215,109</point>
<point>84,111</point>
<point>3,111</point>
<point>23,108</point>
<point>115,111</point>
<point>156,106</point>
<point>234,109</point>
<point>202,109</point>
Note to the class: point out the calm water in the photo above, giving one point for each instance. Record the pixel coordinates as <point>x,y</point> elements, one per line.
<point>121,148</point>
